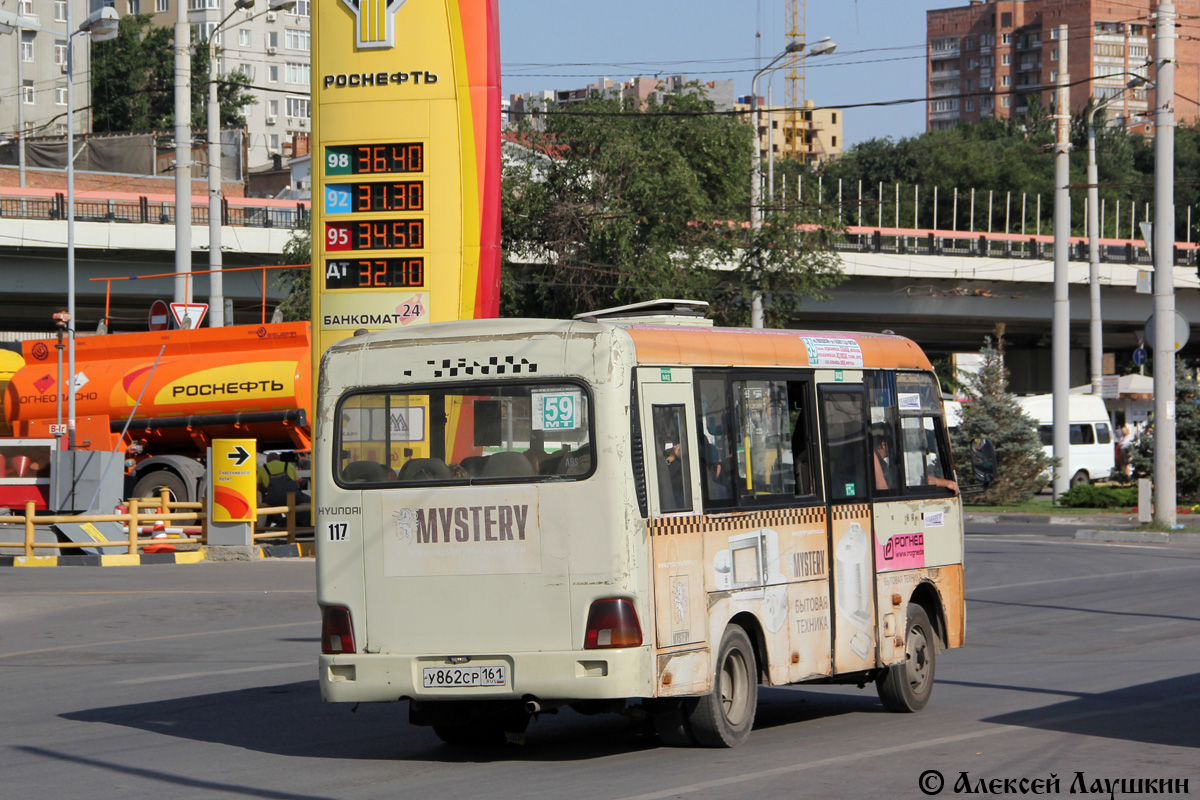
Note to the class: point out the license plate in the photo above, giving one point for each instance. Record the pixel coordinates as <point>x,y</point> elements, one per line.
<point>454,677</point>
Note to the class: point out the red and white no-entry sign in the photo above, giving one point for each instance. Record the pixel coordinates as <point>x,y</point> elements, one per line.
<point>160,316</point>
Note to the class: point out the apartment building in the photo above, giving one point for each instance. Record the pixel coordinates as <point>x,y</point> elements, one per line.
<point>991,58</point>
<point>272,49</point>
<point>33,70</point>
<point>818,131</point>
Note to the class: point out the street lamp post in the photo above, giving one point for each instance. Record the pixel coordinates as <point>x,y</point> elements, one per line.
<point>1093,232</point>
<point>216,311</point>
<point>821,47</point>
<point>102,25</point>
<point>1164,266</point>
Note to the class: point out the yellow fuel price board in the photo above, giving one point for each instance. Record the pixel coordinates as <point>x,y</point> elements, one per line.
<point>406,164</point>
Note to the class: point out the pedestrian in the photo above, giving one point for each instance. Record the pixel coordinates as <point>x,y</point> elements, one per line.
<point>1124,442</point>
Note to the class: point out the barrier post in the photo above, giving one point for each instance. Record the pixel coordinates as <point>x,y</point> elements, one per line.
<point>29,511</point>
<point>133,526</point>
<point>291,517</point>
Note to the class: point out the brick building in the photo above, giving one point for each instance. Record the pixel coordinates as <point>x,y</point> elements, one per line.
<point>990,58</point>
<point>820,131</point>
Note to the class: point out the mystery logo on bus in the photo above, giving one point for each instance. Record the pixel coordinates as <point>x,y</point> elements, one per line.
<point>460,524</point>
<point>468,531</point>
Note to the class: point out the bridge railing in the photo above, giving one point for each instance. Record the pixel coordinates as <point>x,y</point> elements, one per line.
<point>928,242</point>
<point>247,212</point>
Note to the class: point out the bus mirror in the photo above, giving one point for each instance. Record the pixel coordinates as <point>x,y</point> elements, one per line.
<point>983,462</point>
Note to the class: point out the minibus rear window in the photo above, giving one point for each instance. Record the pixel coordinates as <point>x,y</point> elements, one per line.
<point>497,433</point>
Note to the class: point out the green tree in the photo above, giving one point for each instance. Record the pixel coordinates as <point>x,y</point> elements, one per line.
<point>232,94</point>
<point>615,202</point>
<point>133,81</point>
<point>297,283</point>
<point>1187,438</point>
<point>992,412</point>
<point>132,78</point>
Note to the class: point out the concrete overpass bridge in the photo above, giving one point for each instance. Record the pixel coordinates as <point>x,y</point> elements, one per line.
<point>945,289</point>
<point>129,236</point>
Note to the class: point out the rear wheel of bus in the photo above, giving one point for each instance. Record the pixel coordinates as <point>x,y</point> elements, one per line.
<point>908,686</point>
<point>724,717</point>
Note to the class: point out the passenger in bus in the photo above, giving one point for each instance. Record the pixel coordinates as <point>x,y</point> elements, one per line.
<point>670,478</point>
<point>885,470</point>
<point>537,450</point>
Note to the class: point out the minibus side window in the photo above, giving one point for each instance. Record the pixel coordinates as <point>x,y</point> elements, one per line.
<point>764,426</point>
<point>674,461</point>
<point>1103,436</point>
<point>804,457</point>
<point>715,440</point>
<point>845,446</point>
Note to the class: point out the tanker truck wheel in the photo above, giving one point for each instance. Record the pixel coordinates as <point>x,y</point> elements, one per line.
<point>152,485</point>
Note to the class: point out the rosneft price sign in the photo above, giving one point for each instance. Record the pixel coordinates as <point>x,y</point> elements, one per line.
<point>406,164</point>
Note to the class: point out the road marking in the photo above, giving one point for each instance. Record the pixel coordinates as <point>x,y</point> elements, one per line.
<point>1099,576</point>
<point>901,748</point>
<point>1157,548</point>
<point>189,675</point>
<point>140,639</point>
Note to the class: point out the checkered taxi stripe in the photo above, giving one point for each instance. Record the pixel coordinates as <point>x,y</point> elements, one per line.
<point>671,526</point>
<point>856,511</point>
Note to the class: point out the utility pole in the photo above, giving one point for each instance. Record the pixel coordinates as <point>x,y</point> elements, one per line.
<point>183,154</point>
<point>1164,265</point>
<point>1061,324</point>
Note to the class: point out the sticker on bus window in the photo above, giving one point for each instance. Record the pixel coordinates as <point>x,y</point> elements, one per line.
<point>909,401</point>
<point>556,409</point>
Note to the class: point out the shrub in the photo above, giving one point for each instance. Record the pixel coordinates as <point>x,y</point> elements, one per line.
<point>1088,496</point>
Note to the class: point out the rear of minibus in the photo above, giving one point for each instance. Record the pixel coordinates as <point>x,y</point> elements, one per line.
<point>478,536</point>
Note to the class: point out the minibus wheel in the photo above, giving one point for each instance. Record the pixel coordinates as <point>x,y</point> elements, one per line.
<point>724,717</point>
<point>1080,478</point>
<point>907,687</point>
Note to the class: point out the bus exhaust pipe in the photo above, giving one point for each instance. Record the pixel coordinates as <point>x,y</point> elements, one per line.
<point>533,707</point>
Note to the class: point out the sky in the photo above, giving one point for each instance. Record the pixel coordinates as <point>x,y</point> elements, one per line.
<point>567,44</point>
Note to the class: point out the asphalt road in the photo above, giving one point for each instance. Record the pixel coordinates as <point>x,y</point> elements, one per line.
<point>199,681</point>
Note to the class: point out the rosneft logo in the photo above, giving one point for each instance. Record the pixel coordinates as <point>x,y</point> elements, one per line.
<point>376,28</point>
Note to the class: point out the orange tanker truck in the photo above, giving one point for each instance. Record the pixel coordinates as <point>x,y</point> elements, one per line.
<point>245,381</point>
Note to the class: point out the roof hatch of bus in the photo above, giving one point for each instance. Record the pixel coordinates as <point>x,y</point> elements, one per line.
<point>653,312</point>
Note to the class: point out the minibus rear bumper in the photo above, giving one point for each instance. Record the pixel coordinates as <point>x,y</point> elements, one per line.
<point>561,675</point>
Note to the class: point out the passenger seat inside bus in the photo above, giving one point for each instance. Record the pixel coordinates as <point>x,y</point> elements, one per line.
<point>424,469</point>
<point>366,472</point>
<point>508,464</point>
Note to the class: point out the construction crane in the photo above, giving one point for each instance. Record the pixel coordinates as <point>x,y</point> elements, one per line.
<point>797,121</point>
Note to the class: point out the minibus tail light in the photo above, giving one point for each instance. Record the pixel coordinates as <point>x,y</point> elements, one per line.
<point>612,623</point>
<point>337,632</point>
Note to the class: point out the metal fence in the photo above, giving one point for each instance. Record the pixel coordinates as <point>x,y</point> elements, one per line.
<point>982,245</point>
<point>275,214</point>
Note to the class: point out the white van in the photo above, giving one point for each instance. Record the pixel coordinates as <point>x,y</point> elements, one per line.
<point>1091,456</point>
